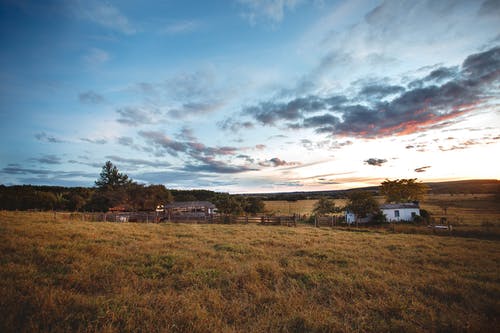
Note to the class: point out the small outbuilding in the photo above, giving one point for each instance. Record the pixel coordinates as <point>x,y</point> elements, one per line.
<point>398,212</point>
<point>190,209</point>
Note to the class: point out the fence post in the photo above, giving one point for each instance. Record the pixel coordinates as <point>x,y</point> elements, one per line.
<point>315,221</point>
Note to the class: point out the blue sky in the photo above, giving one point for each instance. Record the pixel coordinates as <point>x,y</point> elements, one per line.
<point>249,95</point>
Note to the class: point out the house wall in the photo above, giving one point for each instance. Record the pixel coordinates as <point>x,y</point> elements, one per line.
<point>350,218</point>
<point>405,214</point>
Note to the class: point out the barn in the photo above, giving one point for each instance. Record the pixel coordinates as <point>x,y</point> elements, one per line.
<point>398,212</point>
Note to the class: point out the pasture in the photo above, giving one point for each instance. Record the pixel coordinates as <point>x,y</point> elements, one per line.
<point>459,209</point>
<point>73,276</point>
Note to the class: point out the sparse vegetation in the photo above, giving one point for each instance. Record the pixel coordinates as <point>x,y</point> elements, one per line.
<point>61,275</point>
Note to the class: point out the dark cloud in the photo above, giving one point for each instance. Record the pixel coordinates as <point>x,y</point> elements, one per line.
<point>439,75</point>
<point>379,91</point>
<point>201,158</point>
<point>44,174</point>
<point>422,169</point>
<point>490,7</point>
<point>268,113</point>
<point>95,141</point>
<point>47,159</point>
<point>277,162</point>
<point>90,97</point>
<point>375,161</point>
<point>44,137</point>
<point>417,109</point>
<point>217,167</point>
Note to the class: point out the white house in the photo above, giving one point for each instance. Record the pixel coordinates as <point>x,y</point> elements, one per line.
<point>350,218</point>
<point>400,211</point>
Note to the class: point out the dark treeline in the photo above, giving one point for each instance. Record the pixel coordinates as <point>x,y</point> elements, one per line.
<point>133,197</point>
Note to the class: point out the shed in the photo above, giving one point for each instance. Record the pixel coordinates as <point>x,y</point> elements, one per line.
<point>398,212</point>
<point>190,208</point>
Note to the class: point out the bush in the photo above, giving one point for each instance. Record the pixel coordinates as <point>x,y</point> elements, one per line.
<point>379,218</point>
<point>425,215</point>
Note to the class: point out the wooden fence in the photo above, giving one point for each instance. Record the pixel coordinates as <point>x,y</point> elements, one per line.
<point>328,221</point>
<point>153,217</point>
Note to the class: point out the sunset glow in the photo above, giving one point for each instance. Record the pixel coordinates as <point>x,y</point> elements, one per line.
<point>249,96</point>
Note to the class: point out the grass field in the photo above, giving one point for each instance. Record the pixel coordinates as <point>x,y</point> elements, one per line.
<point>68,276</point>
<point>461,209</point>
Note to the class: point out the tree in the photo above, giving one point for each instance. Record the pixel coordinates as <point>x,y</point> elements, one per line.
<point>362,203</point>
<point>324,206</point>
<point>227,204</point>
<point>403,190</point>
<point>111,178</point>
<point>254,205</point>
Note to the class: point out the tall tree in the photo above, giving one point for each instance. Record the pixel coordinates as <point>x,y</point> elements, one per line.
<point>403,190</point>
<point>110,177</point>
<point>362,203</point>
<point>324,206</point>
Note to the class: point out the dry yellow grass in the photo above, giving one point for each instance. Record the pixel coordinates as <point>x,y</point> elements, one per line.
<point>67,276</point>
<point>462,209</point>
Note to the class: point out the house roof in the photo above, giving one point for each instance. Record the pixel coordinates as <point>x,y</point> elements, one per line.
<point>190,204</point>
<point>400,205</point>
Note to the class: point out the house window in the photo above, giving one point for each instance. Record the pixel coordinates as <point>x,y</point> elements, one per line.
<point>396,213</point>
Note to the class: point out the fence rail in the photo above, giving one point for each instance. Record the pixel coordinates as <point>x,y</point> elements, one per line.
<point>154,217</point>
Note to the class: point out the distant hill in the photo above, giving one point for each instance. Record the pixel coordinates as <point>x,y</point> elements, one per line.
<point>474,186</point>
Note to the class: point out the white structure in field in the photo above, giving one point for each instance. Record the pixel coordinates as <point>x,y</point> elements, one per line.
<point>393,213</point>
<point>350,218</point>
<point>400,211</point>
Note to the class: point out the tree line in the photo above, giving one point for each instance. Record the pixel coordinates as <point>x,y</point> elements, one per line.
<point>112,189</point>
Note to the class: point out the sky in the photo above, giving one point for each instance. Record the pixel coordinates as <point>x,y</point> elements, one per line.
<point>246,96</point>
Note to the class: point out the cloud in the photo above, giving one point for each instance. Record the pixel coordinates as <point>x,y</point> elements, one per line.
<point>375,161</point>
<point>490,7</point>
<point>233,125</point>
<point>194,109</point>
<point>96,57</point>
<point>413,110</point>
<point>271,10</point>
<point>135,116</point>
<point>268,113</point>
<point>217,167</point>
<point>180,27</point>
<point>277,162</point>
<point>90,97</point>
<point>325,144</point>
<point>105,15</point>
<point>47,159</point>
<point>135,162</point>
<point>95,141</point>
<point>201,158</point>
<point>44,174</point>
<point>125,141</point>
<point>44,137</point>
<point>422,169</point>
<point>379,91</point>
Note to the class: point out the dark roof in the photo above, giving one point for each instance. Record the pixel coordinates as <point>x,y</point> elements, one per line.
<point>186,204</point>
<point>400,205</point>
